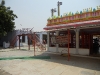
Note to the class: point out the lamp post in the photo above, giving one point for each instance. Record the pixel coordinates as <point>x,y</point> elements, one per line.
<point>52,12</point>
<point>58,4</point>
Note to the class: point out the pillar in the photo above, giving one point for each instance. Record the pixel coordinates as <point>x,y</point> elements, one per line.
<point>19,41</point>
<point>28,43</point>
<point>82,40</point>
<point>77,40</point>
<point>57,45</point>
<point>41,37</point>
<point>26,39</point>
<point>48,38</point>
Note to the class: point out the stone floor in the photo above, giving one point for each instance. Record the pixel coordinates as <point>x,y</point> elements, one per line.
<point>57,65</point>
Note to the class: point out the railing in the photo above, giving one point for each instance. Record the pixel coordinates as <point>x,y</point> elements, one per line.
<point>37,41</point>
<point>32,37</point>
<point>12,43</point>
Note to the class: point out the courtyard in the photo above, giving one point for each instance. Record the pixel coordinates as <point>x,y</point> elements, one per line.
<point>55,65</point>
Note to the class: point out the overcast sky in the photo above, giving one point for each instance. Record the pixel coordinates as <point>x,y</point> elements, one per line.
<point>34,13</point>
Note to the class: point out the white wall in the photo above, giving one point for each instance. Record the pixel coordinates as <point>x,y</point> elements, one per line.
<point>71,50</point>
<point>41,35</point>
<point>26,39</point>
<point>17,43</point>
<point>84,51</point>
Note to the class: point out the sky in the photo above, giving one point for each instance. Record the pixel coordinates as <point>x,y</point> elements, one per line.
<point>34,13</point>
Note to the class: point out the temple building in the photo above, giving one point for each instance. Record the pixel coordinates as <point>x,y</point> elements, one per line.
<point>75,33</point>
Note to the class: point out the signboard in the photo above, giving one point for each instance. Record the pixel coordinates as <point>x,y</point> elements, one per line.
<point>60,39</point>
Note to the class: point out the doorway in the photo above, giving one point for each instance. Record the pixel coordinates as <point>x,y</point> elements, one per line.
<point>89,38</point>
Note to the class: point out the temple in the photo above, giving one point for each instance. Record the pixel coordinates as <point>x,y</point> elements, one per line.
<point>74,33</point>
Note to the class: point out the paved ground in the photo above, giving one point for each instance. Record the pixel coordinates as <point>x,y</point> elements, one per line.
<point>57,65</point>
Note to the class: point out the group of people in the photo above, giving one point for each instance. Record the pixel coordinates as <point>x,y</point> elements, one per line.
<point>96,46</point>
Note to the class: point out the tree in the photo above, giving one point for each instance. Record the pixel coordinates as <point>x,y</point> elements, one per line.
<point>7,18</point>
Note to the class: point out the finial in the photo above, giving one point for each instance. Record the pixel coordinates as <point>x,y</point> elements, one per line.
<point>98,7</point>
<point>91,9</point>
<point>58,16</point>
<point>67,13</point>
<point>54,17</point>
<point>61,16</point>
<point>94,9</point>
<point>80,12</point>
<point>70,14</point>
<point>77,12</point>
<point>64,14</point>
<point>87,10</point>
<point>83,10</point>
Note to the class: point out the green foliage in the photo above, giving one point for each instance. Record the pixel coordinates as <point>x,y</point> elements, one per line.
<point>7,18</point>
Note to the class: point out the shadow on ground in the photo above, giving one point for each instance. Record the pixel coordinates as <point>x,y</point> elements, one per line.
<point>2,72</point>
<point>82,62</point>
<point>76,61</point>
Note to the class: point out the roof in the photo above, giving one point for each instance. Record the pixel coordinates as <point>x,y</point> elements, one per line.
<point>74,25</point>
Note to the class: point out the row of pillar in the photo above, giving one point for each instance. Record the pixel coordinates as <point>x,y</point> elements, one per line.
<point>57,33</point>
